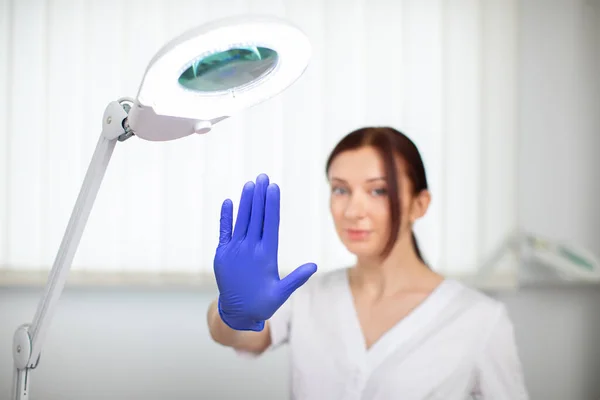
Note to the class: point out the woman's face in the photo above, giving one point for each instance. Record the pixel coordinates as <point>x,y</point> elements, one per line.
<point>359,201</point>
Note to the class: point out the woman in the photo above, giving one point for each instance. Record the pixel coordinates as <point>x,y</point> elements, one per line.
<point>387,328</point>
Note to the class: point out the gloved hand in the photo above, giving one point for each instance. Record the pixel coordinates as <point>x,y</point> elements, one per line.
<point>245,263</point>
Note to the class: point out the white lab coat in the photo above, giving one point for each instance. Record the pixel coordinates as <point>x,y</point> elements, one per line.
<point>456,345</point>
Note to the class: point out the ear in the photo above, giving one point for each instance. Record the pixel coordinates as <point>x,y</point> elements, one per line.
<point>420,205</point>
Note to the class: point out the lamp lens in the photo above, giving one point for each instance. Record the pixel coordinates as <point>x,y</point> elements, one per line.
<point>229,69</point>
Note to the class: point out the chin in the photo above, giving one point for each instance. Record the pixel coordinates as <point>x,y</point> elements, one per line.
<point>363,250</point>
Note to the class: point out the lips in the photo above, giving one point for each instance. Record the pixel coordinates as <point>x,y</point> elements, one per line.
<point>357,234</point>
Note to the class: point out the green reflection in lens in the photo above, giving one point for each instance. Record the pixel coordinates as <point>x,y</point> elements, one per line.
<point>229,69</point>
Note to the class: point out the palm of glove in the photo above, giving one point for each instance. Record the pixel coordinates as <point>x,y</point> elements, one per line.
<point>247,278</point>
<point>245,263</point>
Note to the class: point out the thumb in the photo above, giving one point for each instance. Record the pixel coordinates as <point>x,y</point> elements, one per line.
<point>297,278</point>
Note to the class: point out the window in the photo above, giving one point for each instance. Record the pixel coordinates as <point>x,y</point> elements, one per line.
<point>442,72</point>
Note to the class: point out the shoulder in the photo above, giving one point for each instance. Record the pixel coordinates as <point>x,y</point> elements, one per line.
<point>480,325</point>
<point>498,366</point>
<point>490,316</point>
<point>335,277</point>
<point>488,309</point>
<point>480,310</point>
<point>324,282</point>
<point>323,288</point>
<point>478,301</point>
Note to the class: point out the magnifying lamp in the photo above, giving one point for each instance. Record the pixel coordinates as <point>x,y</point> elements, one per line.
<point>196,80</point>
<point>570,261</point>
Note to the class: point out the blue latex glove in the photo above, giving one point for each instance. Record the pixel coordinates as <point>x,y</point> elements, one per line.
<point>245,263</point>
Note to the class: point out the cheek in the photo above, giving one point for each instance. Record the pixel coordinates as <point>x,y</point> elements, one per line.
<point>336,207</point>
<point>380,215</point>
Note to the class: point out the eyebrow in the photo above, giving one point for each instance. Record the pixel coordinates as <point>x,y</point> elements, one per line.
<point>379,178</point>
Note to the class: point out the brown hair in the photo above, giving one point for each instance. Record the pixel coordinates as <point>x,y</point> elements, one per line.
<point>390,144</point>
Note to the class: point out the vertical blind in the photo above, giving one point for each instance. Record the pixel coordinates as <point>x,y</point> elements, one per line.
<point>441,71</point>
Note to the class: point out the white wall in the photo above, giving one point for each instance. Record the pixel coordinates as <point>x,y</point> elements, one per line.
<point>559,140</point>
<point>125,344</point>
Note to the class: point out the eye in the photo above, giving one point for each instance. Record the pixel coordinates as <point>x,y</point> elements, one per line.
<point>338,190</point>
<point>379,192</point>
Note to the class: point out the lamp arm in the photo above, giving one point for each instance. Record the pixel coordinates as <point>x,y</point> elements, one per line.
<point>29,338</point>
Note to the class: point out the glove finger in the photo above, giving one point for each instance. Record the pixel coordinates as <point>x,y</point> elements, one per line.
<point>258,208</point>
<point>243,216</point>
<point>295,279</point>
<point>226,222</point>
<point>270,236</point>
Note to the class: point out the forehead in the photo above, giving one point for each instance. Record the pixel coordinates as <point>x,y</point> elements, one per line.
<point>358,165</point>
<point>363,161</point>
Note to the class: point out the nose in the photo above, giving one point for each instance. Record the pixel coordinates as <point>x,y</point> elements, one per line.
<point>355,208</point>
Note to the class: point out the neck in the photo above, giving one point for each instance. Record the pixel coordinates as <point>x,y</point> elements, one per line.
<point>401,270</point>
